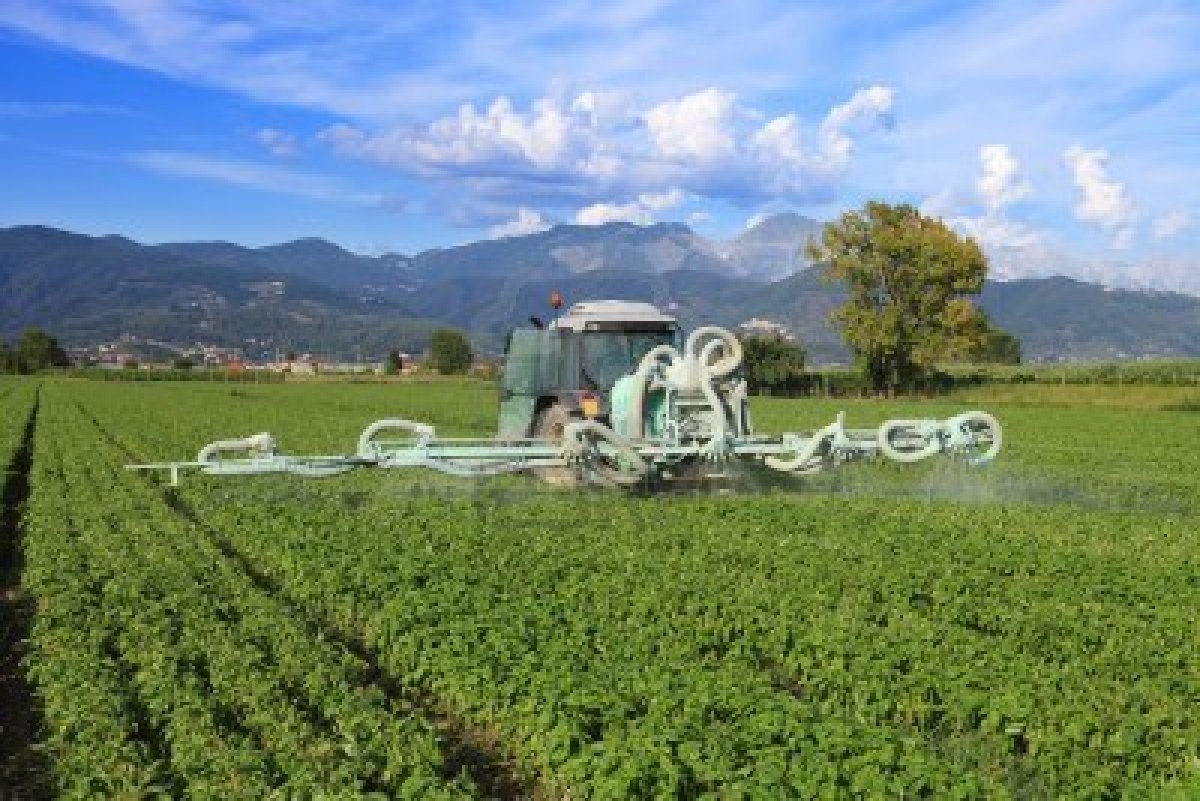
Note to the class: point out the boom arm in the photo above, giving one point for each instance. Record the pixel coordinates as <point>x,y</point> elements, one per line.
<point>675,409</point>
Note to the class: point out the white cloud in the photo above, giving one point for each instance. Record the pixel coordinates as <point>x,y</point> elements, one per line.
<point>999,186</point>
<point>779,140</point>
<point>786,168</point>
<point>500,135</point>
<point>501,132</point>
<point>661,201</point>
<point>1171,224</point>
<point>252,175</point>
<point>753,220</point>
<point>278,143</point>
<point>526,222</point>
<point>997,231</point>
<point>1102,201</point>
<point>693,127</point>
<point>603,108</point>
<point>866,109</point>
<point>640,211</point>
<point>601,213</point>
<point>564,154</point>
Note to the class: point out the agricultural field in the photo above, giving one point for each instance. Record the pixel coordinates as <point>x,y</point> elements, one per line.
<point>1025,631</point>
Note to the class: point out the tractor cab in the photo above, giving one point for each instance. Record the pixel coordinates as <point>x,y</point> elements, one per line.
<point>567,370</point>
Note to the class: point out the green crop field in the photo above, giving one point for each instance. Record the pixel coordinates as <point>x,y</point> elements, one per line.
<point>1031,630</point>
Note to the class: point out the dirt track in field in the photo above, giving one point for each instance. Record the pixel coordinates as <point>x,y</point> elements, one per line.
<point>24,771</point>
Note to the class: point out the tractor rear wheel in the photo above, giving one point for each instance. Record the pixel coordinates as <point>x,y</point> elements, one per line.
<point>550,423</point>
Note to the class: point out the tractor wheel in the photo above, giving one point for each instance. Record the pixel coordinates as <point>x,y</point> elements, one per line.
<point>550,423</point>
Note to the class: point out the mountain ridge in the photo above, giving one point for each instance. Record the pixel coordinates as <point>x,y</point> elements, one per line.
<point>312,294</point>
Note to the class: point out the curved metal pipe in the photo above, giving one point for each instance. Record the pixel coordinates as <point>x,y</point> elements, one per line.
<point>916,428</point>
<point>654,355</point>
<point>803,459</point>
<point>422,431</point>
<point>262,444</point>
<point>726,364</point>
<point>962,437</point>
<point>716,441</point>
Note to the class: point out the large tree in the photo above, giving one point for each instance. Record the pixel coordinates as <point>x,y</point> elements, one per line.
<point>449,351</point>
<point>909,281</point>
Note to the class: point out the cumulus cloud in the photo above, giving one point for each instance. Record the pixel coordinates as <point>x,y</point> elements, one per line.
<point>694,127</point>
<point>589,154</point>
<point>1102,200</point>
<point>865,109</point>
<point>603,109</point>
<point>526,222</point>
<point>999,186</point>
<point>640,211</point>
<point>278,143</point>
<point>1171,224</point>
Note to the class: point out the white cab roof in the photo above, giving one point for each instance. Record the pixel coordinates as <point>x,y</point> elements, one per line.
<point>580,314</point>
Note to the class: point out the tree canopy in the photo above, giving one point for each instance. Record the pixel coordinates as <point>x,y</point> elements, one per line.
<point>771,362</point>
<point>449,351</point>
<point>35,350</point>
<point>908,279</point>
<point>394,363</point>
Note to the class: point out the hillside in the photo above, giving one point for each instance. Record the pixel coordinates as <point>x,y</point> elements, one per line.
<point>90,289</point>
<point>313,295</point>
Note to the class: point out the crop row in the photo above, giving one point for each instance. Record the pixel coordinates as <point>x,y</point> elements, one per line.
<point>765,646</point>
<point>164,669</point>
<point>16,401</point>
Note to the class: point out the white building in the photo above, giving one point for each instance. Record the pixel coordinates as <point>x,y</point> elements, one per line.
<point>755,327</point>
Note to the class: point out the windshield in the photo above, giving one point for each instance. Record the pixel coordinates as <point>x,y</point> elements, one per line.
<point>606,356</point>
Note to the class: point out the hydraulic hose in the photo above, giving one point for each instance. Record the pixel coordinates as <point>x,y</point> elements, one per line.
<point>258,444</point>
<point>802,459</point>
<point>729,362</point>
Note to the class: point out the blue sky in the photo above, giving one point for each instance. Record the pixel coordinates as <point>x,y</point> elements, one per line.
<point>1065,132</point>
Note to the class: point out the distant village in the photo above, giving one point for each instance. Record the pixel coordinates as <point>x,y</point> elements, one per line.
<point>130,351</point>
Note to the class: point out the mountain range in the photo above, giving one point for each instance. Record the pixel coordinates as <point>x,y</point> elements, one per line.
<point>312,295</point>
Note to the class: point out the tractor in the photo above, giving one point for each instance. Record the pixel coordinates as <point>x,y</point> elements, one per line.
<point>612,393</point>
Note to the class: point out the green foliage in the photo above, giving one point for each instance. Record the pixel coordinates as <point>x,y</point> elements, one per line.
<point>772,363</point>
<point>182,363</point>
<point>1027,631</point>
<point>449,351</point>
<point>908,278</point>
<point>10,360</point>
<point>393,364</point>
<point>996,347</point>
<point>164,668</point>
<point>37,350</point>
